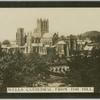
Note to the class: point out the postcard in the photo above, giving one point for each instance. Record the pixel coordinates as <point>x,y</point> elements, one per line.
<point>49,51</point>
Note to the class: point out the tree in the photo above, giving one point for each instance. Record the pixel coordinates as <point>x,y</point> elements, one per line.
<point>84,71</point>
<point>55,38</point>
<point>13,74</point>
<point>18,69</point>
<point>35,69</point>
<point>6,42</point>
<point>62,37</point>
<point>92,35</point>
<point>0,49</point>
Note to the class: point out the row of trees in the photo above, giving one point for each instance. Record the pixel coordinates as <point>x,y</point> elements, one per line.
<point>19,69</point>
<point>85,71</point>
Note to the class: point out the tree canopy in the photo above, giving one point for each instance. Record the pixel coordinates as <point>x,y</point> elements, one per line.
<point>6,42</point>
<point>18,70</point>
<point>84,71</point>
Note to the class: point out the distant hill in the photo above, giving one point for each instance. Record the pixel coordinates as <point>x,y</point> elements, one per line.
<point>93,35</point>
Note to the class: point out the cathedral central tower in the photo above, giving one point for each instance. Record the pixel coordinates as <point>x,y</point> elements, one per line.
<point>42,26</point>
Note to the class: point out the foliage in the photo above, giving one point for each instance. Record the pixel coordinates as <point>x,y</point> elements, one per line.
<point>36,68</point>
<point>62,37</point>
<point>55,38</point>
<point>6,42</point>
<point>92,35</point>
<point>18,69</point>
<point>84,70</point>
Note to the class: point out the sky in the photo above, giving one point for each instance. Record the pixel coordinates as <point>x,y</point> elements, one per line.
<point>63,20</point>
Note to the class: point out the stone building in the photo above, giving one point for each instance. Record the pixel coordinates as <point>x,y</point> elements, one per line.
<point>29,43</point>
<point>62,49</point>
<point>47,39</point>
<point>33,45</point>
<point>20,37</point>
<point>42,27</point>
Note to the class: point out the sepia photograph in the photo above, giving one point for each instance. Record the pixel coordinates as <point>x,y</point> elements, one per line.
<point>50,50</point>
